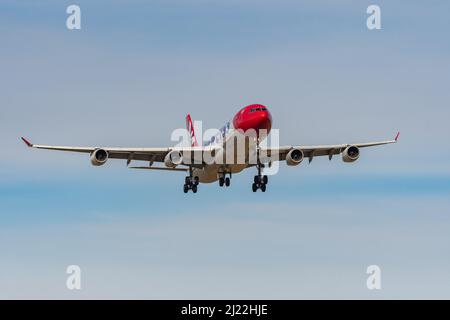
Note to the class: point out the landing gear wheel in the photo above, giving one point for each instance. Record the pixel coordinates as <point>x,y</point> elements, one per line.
<point>227,181</point>
<point>221,181</point>
<point>191,182</point>
<point>260,181</point>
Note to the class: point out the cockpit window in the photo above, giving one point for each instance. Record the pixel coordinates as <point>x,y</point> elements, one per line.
<point>257,109</point>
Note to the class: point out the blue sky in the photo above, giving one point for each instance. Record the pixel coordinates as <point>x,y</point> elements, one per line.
<point>128,78</point>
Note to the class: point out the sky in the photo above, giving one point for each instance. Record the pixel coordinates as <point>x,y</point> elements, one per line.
<point>133,72</point>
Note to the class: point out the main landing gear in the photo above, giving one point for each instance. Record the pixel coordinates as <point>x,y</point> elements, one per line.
<point>260,181</point>
<point>190,183</point>
<point>224,180</point>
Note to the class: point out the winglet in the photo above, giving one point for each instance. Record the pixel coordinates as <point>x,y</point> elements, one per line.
<point>28,143</point>
<point>397,136</point>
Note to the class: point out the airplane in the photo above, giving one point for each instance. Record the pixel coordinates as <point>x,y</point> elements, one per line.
<point>251,118</point>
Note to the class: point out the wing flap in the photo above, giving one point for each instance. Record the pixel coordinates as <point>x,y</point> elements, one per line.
<point>161,168</point>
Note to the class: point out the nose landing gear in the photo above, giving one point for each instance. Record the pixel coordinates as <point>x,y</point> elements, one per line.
<point>224,180</point>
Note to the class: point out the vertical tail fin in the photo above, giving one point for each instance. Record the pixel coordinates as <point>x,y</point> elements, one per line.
<point>190,129</point>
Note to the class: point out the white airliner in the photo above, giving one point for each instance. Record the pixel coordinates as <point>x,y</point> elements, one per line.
<point>256,118</point>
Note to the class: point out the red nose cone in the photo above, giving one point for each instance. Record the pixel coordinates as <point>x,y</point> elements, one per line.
<point>254,116</point>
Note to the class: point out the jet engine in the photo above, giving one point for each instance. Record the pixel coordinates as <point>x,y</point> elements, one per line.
<point>294,157</point>
<point>173,159</point>
<point>99,157</point>
<point>350,154</point>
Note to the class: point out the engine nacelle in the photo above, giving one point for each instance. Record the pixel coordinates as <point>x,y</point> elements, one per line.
<point>294,157</point>
<point>99,157</point>
<point>350,154</point>
<point>173,159</point>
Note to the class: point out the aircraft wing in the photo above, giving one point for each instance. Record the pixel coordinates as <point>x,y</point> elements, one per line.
<point>143,154</point>
<point>323,150</point>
